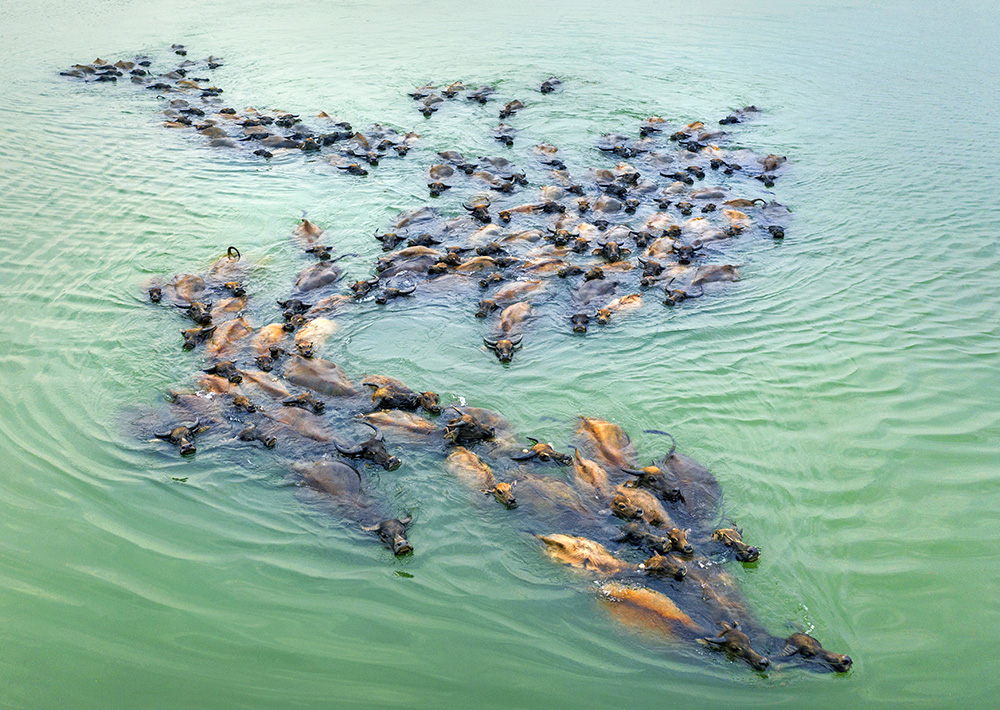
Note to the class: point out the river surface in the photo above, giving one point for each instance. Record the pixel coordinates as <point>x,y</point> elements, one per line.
<point>846,392</point>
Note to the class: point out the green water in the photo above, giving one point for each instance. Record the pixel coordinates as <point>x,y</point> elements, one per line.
<point>845,393</point>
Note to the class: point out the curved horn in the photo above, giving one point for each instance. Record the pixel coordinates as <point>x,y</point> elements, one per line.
<point>490,343</point>
<point>233,253</point>
<point>673,441</point>
<point>378,434</point>
<point>516,340</point>
<point>533,440</point>
<point>524,455</point>
<point>407,290</point>
<point>476,204</point>
<point>631,471</point>
<point>347,451</point>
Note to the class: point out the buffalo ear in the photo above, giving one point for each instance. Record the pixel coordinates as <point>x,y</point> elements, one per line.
<point>407,520</point>
<point>200,430</point>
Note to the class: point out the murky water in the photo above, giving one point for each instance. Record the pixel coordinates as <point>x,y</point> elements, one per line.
<point>845,393</point>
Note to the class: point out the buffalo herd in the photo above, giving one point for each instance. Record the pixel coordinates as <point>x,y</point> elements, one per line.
<point>651,221</point>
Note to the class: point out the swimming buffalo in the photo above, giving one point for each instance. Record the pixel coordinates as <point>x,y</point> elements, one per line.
<point>732,640</point>
<point>542,452</point>
<point>732,539</point>
<point>467,428</point>
<point>182,436</point>
<point>392,533</point>
<point>806,646</point>
<point>389,393</point>
<point>372,449</point>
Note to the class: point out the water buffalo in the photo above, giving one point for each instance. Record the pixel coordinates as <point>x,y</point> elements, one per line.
<point>471,469</point>
<point>196,336</point>
<point>542,452</point>
<point>624,303</point>
<point>373,449</point>
<point>733,539</point>
<point>582,553</point>
<point>646,609</point>
<point>226,369</point>
<point>242,402</point>
<point>511,108</point>
<point>390,393</point>
<point>504,347</point>
<point>182,436</point>
<point>806,646</point>
<point>225,340</point>
<point>306,401</point>
<point>199,312</point>
<point>392,533</point>
<point>550,85</point>
<point>467,428</point>
<point>732,640</point>
<point>609,442</point>
<point>673,296</point>
<point>402,425</point>
<point>680,479</point>
<point>479,209</point>
<point>624,508</point>
<point>664,565</point>
<point>674,539</point>
<point>317,276</point>
<point>650,508</point>
<point>590,475</point>
<point>254,433</point>
<point>320,376</point>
